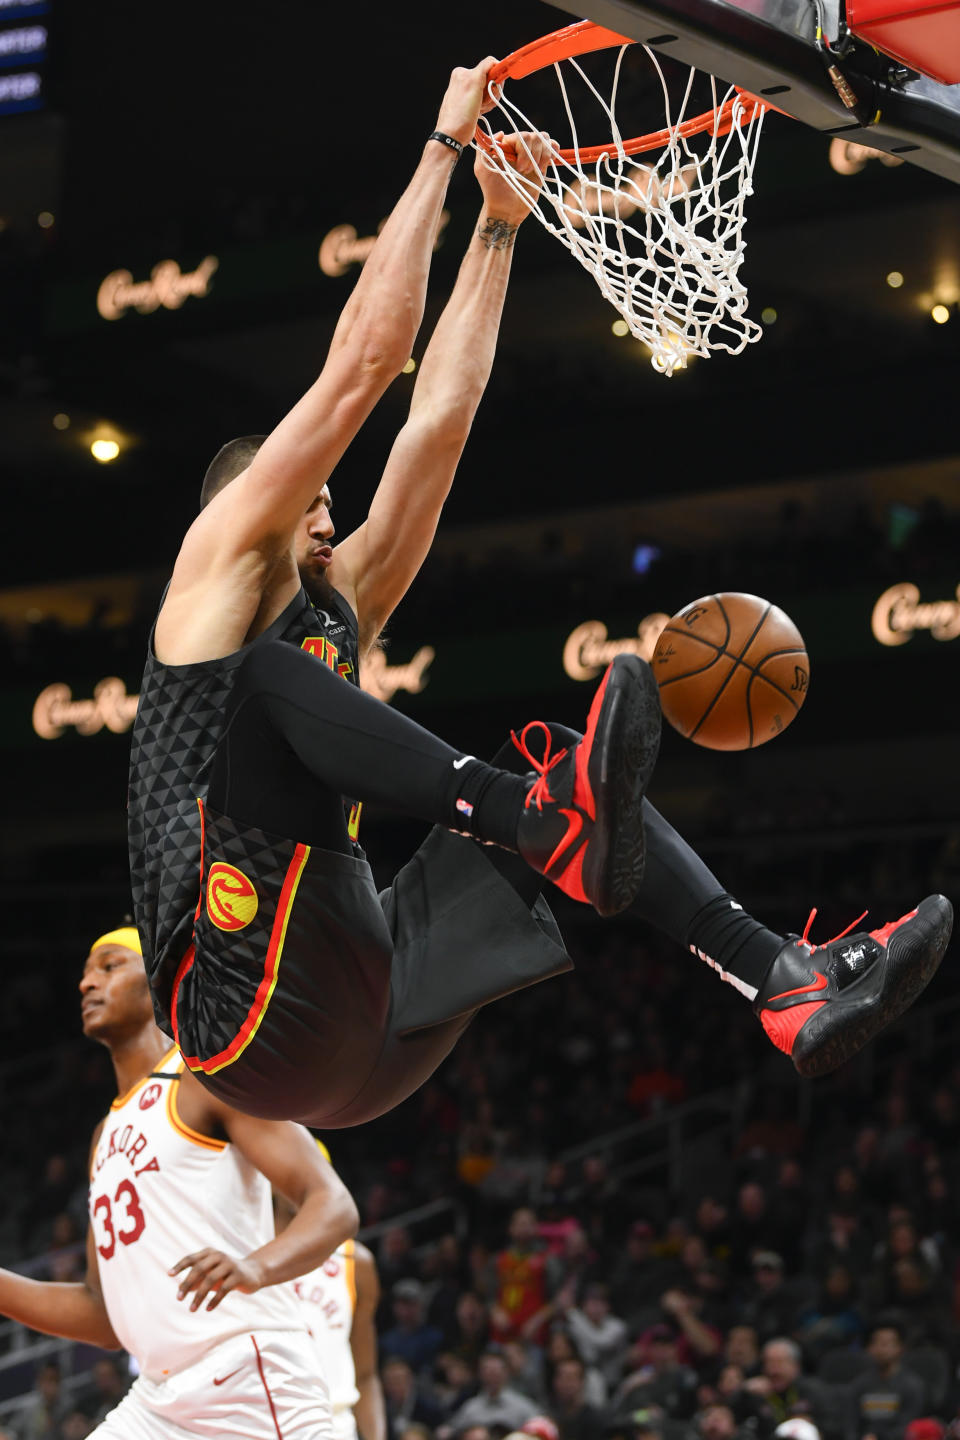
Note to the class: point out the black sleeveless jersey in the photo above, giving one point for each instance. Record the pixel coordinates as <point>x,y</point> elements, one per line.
<point>178,726</point>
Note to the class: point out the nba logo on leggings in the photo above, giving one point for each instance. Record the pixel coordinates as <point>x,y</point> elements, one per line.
<point>231,899</point>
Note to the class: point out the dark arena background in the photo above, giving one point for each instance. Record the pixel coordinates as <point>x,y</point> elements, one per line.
<point>186,199</point>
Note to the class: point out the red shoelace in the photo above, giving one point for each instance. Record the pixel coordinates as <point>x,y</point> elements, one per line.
<point>540,789</point>
<point>823,945</point>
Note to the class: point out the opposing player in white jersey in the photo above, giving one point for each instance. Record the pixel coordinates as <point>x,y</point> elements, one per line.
<point>340,1300</point>
<point>184,1269</point>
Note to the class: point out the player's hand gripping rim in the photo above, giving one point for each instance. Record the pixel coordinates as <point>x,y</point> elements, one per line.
<point>465,101</point>
<point>213,1273</point>
<point>530,153</point>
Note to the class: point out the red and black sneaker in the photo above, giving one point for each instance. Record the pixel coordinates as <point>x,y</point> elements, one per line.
<point>582,822</point>
<point>820,1004</point>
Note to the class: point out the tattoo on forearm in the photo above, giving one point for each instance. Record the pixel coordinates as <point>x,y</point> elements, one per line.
<point>497,234</point>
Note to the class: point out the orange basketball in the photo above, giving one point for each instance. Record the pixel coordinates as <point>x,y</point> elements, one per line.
<point>733,671</point>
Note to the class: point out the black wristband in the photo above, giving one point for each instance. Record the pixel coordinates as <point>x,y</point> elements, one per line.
<point>447,140</point>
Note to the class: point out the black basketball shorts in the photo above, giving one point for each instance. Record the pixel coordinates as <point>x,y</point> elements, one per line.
<point>307,996</point>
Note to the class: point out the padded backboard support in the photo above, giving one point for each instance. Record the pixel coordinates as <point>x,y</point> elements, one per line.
<point>768,47</point>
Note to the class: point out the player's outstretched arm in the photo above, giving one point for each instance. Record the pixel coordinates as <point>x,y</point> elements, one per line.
<point>373,339</point>
<point>325,1213</point>
<point>75,1311</point>
<point>369,1411</point>
<point>375,565</point>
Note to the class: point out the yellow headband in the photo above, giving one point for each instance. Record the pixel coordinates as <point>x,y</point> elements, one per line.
<point>127,935</point>
<point>322,1148</point>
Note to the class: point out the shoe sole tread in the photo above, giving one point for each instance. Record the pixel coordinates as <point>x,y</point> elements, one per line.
<point>631,740</point>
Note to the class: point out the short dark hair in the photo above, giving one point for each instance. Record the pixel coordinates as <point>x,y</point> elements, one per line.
<point>889,1320</point>
<point>572,1360</point>
<point>229,462</point>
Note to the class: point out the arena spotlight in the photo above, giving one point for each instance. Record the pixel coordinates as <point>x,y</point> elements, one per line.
<point>768,315</point>
<point>895,279</point>
<point>940,314</point>
<point>410,366</point>
<point>103,439</point>
<point>620,327</point>
<point>61,421</point>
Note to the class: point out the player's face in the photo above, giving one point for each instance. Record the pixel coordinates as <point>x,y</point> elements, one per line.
<point>314,546</point>
<point>114,997</point>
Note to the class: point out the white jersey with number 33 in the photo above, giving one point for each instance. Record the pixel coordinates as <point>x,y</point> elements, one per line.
<point>328,1296</point>
<point>158,1192</point>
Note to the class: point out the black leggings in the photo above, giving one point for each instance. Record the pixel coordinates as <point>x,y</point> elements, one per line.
<point>298,738</point>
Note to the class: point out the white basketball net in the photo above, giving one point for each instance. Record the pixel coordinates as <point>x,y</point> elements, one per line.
<point>662,233</point>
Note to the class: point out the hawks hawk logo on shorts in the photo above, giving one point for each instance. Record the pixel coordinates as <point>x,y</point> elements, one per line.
<point>231,899</point>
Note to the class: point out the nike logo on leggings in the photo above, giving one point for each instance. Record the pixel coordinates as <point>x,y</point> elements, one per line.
<point>459,764</point>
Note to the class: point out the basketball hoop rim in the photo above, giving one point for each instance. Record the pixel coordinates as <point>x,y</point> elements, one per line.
<point>582,38</point>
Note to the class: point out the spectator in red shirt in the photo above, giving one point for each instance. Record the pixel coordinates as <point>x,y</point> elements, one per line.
<point>521,1287</point>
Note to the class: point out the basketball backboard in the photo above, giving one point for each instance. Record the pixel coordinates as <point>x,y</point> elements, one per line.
<point>769,47</point>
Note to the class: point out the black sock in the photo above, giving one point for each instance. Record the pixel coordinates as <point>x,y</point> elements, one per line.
<point>487,802</point>
<point>682,898</point>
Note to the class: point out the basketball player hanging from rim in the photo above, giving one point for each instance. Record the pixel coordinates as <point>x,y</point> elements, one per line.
<point>292,990</point>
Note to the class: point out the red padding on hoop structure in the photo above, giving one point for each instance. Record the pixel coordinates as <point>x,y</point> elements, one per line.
<point>922,35</point>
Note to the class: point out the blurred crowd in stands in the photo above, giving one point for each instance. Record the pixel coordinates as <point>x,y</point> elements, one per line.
<point>627,573</point>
